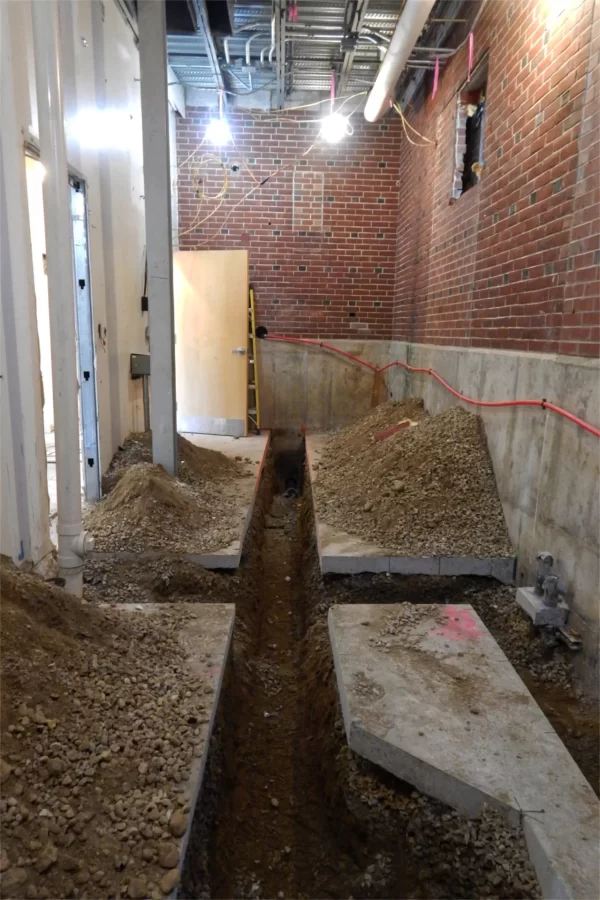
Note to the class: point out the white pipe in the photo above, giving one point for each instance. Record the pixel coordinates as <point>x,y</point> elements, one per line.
<point>248,42</point>
<point>73,541</point>
<point>226,48</point>
<point>408,28</point>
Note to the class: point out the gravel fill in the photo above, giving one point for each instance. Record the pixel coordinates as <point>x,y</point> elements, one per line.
<point>167,579</point>
<point>427,490</point>
<point>147,509</point>
<point>101,719</point>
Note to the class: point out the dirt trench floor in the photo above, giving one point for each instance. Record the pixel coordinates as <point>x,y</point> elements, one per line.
<point>286,810</point>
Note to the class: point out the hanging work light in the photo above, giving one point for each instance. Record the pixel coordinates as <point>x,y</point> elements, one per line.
<point>217,130</point>
<point>335,126</point>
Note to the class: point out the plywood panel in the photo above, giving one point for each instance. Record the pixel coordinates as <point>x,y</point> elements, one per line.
<point>211,322</point>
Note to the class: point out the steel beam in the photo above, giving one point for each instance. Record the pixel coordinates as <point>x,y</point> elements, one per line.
<point>157,189</point>
<point>211,50</point>
<point>279,9</point>
<point>355,26</point>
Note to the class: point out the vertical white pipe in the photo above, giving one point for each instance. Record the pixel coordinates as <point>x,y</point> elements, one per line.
<point>73,542</point>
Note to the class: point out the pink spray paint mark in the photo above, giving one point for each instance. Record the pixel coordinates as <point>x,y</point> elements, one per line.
<point>460,625</point>
<point>471,55</point>
<point>436,77</point>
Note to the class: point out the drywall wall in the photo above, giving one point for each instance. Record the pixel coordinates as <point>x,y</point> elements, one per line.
<point>546,468</point>
<point>514,262</point>
<point>104,145</point>
<point>23,491</point>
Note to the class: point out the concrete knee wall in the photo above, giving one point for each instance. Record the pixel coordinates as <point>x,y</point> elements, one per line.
<point>547,469</point>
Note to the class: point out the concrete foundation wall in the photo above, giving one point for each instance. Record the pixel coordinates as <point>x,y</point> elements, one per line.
<point>547,469</point>
<point>300,384</point>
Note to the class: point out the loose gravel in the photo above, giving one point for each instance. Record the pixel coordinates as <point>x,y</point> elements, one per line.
<point>427,490</point>
<point>147,509</point>
<point>101,719</point>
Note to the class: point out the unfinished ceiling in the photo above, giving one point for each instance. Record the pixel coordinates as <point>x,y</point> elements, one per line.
<point>274,53</point>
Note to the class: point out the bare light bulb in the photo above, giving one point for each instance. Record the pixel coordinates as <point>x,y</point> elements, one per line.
<point>218,132</point>
<point>334,128</point>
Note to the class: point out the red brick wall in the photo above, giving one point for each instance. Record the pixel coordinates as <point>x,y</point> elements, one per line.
<point>334,282</point>
<point>514,262</point>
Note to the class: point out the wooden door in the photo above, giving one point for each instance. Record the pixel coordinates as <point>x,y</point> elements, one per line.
<point>211,351</point>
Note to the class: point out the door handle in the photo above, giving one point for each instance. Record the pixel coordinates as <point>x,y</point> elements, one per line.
<point>239,350</point>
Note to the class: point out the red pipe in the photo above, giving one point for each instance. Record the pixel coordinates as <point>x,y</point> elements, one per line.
<point>293,340</point>
<point>496,403</point>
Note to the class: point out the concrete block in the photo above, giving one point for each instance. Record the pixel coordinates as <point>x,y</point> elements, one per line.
<point>414,565</point>
<point>503,569</point>
<point>465,565</point>
<point>449,714</point>
<point>540,614</point>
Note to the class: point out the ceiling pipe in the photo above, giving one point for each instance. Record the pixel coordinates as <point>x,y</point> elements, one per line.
<point>408,29</point>
<point>73,542</point>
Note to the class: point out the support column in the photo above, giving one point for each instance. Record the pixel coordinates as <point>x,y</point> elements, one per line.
<point>73,541</point>
<point>24,512</point>
<point>157,191</point>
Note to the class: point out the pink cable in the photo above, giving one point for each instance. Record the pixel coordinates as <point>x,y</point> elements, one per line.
<point>471,55</point>
<point>487,403</point>
<point>436,77</point>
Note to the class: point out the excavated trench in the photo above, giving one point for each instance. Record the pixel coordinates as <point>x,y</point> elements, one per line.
<point>286,810</point>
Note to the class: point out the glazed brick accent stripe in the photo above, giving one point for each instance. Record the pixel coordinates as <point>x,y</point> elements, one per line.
<point>327,267</point>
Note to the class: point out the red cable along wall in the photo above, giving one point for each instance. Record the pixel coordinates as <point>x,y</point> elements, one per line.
<point>544,404</point>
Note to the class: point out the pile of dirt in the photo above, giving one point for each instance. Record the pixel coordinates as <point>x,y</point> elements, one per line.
<point>197,465</point>
<point>101,717</point>
<point>427,490</point>
<point>148,509</point>
<point>168,579</point>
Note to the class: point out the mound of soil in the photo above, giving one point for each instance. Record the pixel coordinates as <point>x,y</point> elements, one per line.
<point>166,579</point>
<point>100,714</point>
<point>148,509</point>
<point>197,465</point>
<point>426,490</point>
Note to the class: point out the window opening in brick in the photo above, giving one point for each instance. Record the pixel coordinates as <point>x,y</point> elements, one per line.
<point>470,131</point>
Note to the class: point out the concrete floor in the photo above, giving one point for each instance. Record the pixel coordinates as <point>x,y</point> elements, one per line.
<point>437,703</point>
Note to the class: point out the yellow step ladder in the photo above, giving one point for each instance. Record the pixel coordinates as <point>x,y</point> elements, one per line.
<point>253,390</point>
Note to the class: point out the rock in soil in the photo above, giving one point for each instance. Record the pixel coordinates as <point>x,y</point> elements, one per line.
<point>426,490</point>
<point>101,718</point>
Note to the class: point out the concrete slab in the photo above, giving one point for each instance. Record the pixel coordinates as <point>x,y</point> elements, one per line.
<point>427,694</point>
<point>206,643</point>
<point>533,605</point>
<point>344,553</point>
<point>243,490</point>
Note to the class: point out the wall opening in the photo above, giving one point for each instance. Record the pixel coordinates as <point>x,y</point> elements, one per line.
<point>88,413</point>
<point>470,131</point>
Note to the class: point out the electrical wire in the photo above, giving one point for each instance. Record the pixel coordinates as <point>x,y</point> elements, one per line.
<point>406,123</point>
<point>495,404</point>
<point>256,187</point>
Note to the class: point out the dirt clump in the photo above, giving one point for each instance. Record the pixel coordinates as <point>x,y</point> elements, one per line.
<point>196,464</point>
<point>101,718</point>
<point>427,490</point>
